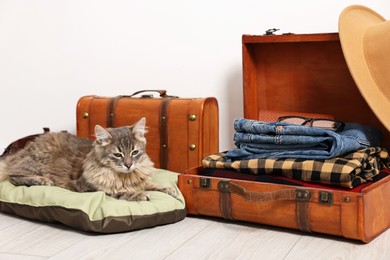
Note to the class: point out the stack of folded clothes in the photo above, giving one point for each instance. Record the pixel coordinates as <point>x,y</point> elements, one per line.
<point>344,155</point>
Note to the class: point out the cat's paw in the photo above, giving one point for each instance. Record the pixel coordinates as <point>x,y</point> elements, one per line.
<point>134,197</point>
<point>48,183</point>
<point>170,191</point>
<point>30,181</point>
<point>142,197</point>
<point>40,182</point>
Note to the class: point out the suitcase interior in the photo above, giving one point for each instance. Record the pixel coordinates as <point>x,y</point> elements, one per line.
<point>310,68</point>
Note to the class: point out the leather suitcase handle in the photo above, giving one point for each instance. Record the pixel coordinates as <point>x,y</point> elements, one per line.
<point>301,196</point>
<point>162,92</point>
<point>231,187</point>
<point>112,103</point>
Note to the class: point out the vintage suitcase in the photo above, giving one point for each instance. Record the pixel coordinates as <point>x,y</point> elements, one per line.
<point>181,131</point>
<point>311,68</point>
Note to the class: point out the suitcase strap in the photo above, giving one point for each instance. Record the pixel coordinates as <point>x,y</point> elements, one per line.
<point>164,132</point>
<point>301,196</point>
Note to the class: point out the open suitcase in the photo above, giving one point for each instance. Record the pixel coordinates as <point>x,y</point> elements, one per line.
<point>181,131</point>
<point>312,68</point>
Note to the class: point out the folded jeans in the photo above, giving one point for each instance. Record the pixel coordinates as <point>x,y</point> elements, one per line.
<point>256,139</point>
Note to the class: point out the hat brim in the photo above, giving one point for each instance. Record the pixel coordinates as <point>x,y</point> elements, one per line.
<point>353,22</point>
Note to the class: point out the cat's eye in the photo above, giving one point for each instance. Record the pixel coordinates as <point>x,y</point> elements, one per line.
<point>117,155</point>
<point>135,152</point>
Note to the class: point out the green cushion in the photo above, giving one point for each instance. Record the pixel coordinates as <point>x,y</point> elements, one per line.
<point>94,211</point>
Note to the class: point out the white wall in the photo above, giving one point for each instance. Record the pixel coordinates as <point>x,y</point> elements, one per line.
<point>53,52</point>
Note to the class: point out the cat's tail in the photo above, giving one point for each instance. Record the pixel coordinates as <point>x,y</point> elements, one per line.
<point>3,171</point>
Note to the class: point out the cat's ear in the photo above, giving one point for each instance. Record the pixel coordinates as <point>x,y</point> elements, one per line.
<point>139,129</point>
<point>103,137</point>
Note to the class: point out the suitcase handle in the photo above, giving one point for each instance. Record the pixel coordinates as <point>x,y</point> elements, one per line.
<point>284,194</point>
<point>162,92</point>
<point>301,196</point>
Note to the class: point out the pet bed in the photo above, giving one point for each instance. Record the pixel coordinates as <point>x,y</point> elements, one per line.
<point>94,211</point>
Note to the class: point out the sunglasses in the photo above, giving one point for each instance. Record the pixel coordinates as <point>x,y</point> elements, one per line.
<point>323,123</point>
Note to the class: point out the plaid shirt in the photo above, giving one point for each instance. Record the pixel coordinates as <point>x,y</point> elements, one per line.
<point>348,171</point>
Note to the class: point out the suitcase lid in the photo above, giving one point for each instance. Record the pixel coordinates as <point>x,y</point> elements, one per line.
<point>302,73</point>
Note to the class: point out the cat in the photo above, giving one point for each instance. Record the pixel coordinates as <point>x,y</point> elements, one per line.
<point>115,163</point>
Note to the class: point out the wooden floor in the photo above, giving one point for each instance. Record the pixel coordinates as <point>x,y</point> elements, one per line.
<point>191,238</point>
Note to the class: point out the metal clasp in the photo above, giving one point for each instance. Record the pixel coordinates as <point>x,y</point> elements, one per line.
<point>205,183</point>
<point>325,197</point>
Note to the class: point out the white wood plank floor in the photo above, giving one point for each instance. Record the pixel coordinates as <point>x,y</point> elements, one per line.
<point>191,238</point>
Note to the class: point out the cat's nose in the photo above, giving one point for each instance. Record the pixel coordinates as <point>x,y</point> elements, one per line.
<point>128,165</point>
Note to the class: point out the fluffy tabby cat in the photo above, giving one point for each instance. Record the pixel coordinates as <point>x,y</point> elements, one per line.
<point>116,163</point>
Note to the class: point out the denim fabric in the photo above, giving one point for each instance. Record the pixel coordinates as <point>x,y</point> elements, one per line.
<point>256,139</point>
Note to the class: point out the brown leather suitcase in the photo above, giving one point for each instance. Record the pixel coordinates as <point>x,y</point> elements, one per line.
<point>304,73</point>
<point>181,131</point>
<point>361,214</point>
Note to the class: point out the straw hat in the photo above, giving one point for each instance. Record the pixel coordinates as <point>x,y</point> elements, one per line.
<point>365,41</point>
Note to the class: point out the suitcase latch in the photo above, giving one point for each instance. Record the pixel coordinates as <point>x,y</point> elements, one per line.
<point>205,183</point>
<point>302,195</point>
<point>325,197</point>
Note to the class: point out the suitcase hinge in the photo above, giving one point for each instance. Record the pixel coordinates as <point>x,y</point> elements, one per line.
<point>271,31</point>
<point>325,197</point>
<point>205,183</point>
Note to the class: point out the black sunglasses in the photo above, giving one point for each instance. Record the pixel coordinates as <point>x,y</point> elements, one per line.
<point>324,123</point>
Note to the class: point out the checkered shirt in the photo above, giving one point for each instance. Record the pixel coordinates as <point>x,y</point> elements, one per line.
<point>347,171</point>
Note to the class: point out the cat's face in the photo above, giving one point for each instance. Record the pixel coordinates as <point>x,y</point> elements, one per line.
<point>123,148</point>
